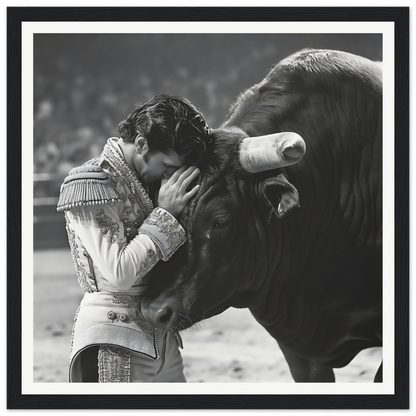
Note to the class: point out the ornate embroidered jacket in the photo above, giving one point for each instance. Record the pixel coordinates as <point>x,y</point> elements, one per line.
<point>116,236</point>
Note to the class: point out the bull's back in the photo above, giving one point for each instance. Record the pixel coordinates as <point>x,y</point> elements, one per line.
<point>340,179</point>
<point>333,290</point>
<point>333,100</point>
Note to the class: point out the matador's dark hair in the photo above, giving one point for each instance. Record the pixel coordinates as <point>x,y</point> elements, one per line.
<point>169,123</point>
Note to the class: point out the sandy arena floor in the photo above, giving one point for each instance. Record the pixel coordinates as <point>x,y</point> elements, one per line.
<point>231,347</point>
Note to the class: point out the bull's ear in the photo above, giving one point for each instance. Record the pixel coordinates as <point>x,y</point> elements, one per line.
<point>279,194</point>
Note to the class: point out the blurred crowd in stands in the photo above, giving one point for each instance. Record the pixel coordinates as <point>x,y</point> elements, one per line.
<point>84,85</point>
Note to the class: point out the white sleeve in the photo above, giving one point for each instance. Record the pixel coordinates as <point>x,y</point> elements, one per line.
<point>122,263</point>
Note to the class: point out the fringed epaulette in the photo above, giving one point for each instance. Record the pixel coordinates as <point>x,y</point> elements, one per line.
<point>87,185</point>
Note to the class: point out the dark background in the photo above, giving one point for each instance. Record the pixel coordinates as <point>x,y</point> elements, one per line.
<point>399,14</point>
<point>85,84</point>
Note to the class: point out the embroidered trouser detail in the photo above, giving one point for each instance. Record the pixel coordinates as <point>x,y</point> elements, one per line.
<point>113,365</point>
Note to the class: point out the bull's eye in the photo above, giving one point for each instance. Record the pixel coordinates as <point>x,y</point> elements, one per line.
<point>220,222</point>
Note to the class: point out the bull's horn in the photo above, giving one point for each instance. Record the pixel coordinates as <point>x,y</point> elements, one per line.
<point>271,152</point>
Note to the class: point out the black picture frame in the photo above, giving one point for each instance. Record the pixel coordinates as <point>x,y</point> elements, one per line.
<point>15,399</point>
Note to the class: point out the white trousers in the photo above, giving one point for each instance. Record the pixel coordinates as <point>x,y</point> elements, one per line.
<point>114,364</point>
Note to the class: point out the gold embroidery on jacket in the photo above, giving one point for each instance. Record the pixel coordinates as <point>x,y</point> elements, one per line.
<point>167,226</point>
<point>124,176</point>
<point>91,274</point>
<point>108,227</point>
<point>147,264</point>
<point>71,345</point>
<point>127,300</point>
<point>127,211</point>
<point>85,280</point>
<point>136,317</point>
<point>138,212</point>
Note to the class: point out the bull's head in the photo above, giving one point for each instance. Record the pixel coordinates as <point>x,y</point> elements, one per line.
<point>227,223</point>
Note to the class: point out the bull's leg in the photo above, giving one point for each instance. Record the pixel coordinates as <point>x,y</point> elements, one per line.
<point>304,370</point>
<point>379,376</point>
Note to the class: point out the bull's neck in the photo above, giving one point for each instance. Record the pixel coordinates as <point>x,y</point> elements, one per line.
<point>268,256</point>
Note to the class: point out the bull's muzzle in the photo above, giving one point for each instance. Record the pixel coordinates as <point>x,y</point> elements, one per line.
<point>161,314</point>
<point>272,151</point>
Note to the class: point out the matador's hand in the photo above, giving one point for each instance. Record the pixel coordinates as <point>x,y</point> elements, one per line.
<point>173,195</point>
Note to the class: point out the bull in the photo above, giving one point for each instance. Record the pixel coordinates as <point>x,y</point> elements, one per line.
<point>287,221</point>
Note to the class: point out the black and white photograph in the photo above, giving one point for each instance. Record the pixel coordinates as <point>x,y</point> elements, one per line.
<point>210,209</point>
